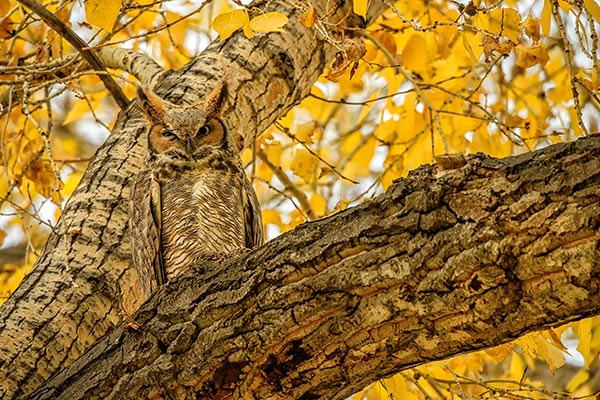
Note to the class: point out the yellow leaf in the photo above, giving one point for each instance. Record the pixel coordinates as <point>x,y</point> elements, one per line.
<point>581,377</point>
<point>350,51</point>
<point>31,151</point>
<point>576,128</point>
<point>63,14</point>
<point>387,40</point>
<point>247,30</point>
<point>360,7</point>
<point>274,152</point>
<point>2,237</point>
<point>532,28</point>
<point>414,55</point>
<point>304,132</point>
<point>546,17</point>
<point>386,132</point>
<point>271,217</point>
<point>56,44</point>
<point>391,388</point>
<point>593,8</point>
<point>4,7</point>
<point>584,334</point>
<point>79,108</point>
<point>516,367</point>
<point>264,172</point>
<point>247,156</point>
<point>144,21</point>
<point>178,28</point>
<point>351,142</point>
<point>102,13</point>
<point>501,21</point>
<point>226,24</point>
<point>304,165</point>
<point>318,204</point>
<point>489,44</point>
<point>371,52</point>
<point>40,172</point>
<point>342,205</point>
<point>555,339</point>
<point>545,351</point>
<point>394,171</point>
<point>467,362</point>
<point>530,56</point>
<point>6,27</point>
<point>269,22</point>
<point>500,353</point>
<point>358,166</point>
<point>511,24</point>
<point>71,183</point>
<point>564,5</point>
<point>472,45</point>
<point>309,18</point>
<point>10,280</point>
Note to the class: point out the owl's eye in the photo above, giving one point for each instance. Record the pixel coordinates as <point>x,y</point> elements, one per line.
<point>204,130</point>
<point>167,134</point>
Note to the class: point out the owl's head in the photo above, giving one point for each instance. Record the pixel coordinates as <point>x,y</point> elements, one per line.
<point>185,133</point>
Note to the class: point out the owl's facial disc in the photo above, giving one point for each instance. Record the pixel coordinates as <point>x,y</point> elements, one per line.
<point>208,137</point>
<point>163,140</point>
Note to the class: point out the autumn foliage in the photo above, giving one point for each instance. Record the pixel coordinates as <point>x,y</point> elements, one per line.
<point>428,78</point>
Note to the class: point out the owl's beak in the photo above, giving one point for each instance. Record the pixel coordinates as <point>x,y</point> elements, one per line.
<point>189,146</point>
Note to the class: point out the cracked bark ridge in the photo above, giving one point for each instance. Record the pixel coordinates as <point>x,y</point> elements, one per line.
<point>83,281</point>
<point>441,264</point>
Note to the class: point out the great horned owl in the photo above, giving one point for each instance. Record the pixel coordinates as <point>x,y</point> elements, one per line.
<point>192,198</point>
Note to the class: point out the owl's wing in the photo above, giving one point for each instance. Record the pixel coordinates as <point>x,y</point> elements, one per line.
<point>254,228</point>
<point>145,224</point>
<point>160,275</point>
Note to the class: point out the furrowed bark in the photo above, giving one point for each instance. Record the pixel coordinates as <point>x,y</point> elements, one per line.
<point>437,266</point>
<point>84,279</point>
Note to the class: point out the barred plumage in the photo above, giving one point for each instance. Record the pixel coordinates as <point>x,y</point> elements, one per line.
<point>192,198</point>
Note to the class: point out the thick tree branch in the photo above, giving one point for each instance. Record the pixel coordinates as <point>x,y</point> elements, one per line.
<point>145,69</point>
<point>435,267</point>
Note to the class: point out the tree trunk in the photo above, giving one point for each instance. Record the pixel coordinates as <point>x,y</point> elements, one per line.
<point>83,281</point>
<point>437,266</point>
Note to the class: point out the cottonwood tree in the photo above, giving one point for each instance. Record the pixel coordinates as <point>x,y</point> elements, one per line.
<point>465,255</point>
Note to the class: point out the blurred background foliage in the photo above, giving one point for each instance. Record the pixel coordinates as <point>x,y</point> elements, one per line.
<point>429,78</point>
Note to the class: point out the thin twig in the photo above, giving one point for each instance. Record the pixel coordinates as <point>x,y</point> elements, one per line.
<point>569,61</point>
<point>312,152</point>
<point>283,194</point>
<point>289,185</point>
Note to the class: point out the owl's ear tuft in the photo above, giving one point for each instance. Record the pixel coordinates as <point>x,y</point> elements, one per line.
<point>152,105</point>
<point>215,100</point>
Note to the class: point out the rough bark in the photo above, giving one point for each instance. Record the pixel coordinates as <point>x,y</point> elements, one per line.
<point>437,266</point>
<point>83,280</point>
